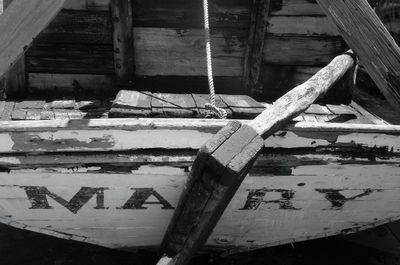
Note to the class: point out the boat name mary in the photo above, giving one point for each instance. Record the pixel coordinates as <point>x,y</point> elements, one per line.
<point>38,197</point>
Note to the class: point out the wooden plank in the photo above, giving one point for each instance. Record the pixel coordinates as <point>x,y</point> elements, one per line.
<point>367,115</point>
<point>202,99</point>
<point>18,114</point>
<point>132,100</point>
<point>302,25</point>
<point>15,78</point>
<point>22,22</point>
<point>33,114</point>
<point>302,50</point>
<point>30,104</point>
<point>240,101</point>
<point>242,107</point>
<point>63,104</point>
<point>129,113</point>
<point>131,104</point>
<point>67,58</point>
<point>47,115</point>
<point>310,118</point>
<point>279,7</point>
<point>134,134</point>
<point>207,125</point>
<point>122,17</point>
<point>157,48</point>
<point>312,207</point>
<point>7,111</point>
<point>376,106</point>
<point>225,14</point>
<point>174,105</point>
<point>70,58</point>
<point>96,5</point>
<point>318,109</point>
<point>71,84</point>
<point>371,41</point>
<point>341,109</point>
<point>280,78</point>
<point>86,26</point>
<point>255,46</point>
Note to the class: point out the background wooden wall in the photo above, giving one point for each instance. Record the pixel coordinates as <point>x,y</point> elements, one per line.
<point>75,53</point>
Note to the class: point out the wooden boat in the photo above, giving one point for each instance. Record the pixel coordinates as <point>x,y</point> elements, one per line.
<point>69,172</point>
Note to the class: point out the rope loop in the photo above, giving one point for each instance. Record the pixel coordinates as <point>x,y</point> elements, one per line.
<point>217,112</point>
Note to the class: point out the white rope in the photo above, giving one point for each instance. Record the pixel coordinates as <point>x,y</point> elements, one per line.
<point>219,112</point>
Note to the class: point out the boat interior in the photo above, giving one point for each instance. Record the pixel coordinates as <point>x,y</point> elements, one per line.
<point>72,70</point>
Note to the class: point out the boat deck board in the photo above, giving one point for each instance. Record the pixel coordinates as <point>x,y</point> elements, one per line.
<point>132,104</point>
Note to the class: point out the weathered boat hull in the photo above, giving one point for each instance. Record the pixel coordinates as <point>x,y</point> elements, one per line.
<point>116,183</point>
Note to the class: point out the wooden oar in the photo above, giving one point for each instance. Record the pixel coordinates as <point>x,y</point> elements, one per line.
<point>224,161</point>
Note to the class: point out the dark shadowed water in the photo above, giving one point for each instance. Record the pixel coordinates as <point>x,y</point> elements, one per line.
<point>26,248</point>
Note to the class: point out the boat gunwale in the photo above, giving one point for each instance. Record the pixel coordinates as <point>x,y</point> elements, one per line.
<point>181,124</point>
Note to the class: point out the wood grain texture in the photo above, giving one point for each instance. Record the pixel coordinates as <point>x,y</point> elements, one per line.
<point>252,220</point>
<point>371,41</point>
<point>87,4</point>
<point>122,16</point>
<point>71,84</point>
<point>218,172</point>
<point>15,78</point>
<point>255,47</point>
<point>303,95</point>
<point>165,52</point>
<point>22,22</point>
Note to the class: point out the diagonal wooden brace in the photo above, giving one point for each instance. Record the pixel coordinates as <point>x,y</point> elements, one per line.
<point>222,164</point>
<point>224,161</point>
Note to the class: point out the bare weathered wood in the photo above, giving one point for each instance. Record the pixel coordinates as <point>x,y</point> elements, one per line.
<point>20,24</point>
<point>225,160</point>
<point>67,84</point>
<point>255,46</point>
<point>368,37</point>
<point>304,95</point>
<point>122,16</point>
<point>15,79</point>
<point>132,100</point>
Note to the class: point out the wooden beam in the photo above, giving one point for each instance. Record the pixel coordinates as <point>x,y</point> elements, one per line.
<point>224,161</point>
<point>368,37</point>
<point>122,18</point>
<point>255,47</point>
<point>20,24</point>
<point>15,81</point>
